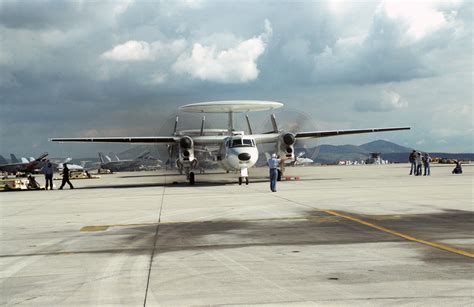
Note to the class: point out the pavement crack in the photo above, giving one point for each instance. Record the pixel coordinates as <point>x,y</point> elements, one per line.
<point>155,240</point>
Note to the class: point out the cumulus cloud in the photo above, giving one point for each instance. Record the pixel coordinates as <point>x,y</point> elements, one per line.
<point>421,17</point>
<point>388,101</point>
<point>130,51</point>
<point>233,65</point>
<point>143,51</point>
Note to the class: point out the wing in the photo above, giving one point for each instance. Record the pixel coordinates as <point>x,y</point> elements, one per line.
<point>322,134</point>
<point>273,137</point>
<point>139,140</point>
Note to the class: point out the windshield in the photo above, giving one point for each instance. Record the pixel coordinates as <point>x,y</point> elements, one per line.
<point>238,142</point>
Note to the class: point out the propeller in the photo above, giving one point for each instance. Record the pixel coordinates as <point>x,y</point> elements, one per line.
<point>292,120</point>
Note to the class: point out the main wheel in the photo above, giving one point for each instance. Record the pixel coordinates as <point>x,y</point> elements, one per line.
<point>247,180</point>
<point>191,178</point>
<point>240,180</point>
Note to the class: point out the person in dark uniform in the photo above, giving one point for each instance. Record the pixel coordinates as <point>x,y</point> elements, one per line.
<point>458,168</point>
<point>48,174</point>
<point>65,177</point>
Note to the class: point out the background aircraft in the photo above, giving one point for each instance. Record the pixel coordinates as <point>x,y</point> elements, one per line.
<point>24,167</point>
<point>234,150</point>
<point>3,160</point>
<point>113,163</point>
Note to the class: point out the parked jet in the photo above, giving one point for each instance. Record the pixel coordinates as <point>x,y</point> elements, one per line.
<point>3,160</point>
<point>115,164</point>
<point>59,166</point>
<point>234,150</point>
<point>14,159</point>
<point>24,167</point>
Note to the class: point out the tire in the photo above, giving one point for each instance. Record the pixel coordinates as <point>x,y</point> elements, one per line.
<point>279,175</point>
<point>246,180</point>
<point>240,180</point>
<point>191,178</point>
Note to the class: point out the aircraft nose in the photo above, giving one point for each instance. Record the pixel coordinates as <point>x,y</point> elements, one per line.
<point>244,156</point>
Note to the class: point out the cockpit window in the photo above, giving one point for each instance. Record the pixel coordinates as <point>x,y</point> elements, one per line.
<point>238,142</point>
<point>247,142</point>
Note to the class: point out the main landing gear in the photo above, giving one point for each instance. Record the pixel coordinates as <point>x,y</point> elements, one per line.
<point>244,175</point>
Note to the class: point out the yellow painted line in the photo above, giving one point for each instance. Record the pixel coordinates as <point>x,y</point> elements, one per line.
<point>95,228</point>
<point>402,235</point>
<point>106,227</point>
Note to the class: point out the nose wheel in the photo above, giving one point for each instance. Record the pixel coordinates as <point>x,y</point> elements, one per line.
<point>244,176</point>
<point>243,179</point>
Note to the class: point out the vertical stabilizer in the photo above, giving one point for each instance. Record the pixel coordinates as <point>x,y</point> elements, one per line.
<point>102,158</point>
<point>14,159</point>
<point>3,160</point>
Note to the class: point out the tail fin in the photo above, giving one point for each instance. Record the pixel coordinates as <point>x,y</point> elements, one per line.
<point>42,156</point>
<point>13,158</point>
<point>102,158</point>
<point>3,160</point>
<point>144,155</point>
<point>113,156</point>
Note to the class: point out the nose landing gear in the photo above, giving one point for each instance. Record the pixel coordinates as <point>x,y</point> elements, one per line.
<point>244,175</point>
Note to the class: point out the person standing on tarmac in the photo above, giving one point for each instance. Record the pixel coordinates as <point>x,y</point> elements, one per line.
<point>412,159</point>
<point>48,171</point>
<point>419,164</point>
<point>426,164</point>
<point>273,164</point>
<point>65,177</point>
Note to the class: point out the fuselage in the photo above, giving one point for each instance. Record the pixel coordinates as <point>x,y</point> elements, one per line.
<point>238,152</point>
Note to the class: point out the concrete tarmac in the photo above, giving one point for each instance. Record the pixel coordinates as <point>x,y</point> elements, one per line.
<point>342,235</point>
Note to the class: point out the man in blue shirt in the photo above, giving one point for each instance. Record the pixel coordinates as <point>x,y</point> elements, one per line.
<point>48,174</point>
<point>273,164</point>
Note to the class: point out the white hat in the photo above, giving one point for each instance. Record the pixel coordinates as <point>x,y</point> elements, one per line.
<point>274,155</point>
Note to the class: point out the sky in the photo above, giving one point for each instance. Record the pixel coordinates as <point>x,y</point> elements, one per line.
<point>123,67</point>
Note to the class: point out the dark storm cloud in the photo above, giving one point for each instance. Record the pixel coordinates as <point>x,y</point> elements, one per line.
<point>57,80</point>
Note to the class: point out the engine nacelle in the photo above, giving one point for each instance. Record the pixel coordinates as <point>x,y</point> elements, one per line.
<point>285,145</point>
<point>186,142</point>
<point>288,138</point>
<point>186,152</point>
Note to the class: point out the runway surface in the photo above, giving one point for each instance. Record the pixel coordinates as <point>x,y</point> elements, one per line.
<point>342,235</point>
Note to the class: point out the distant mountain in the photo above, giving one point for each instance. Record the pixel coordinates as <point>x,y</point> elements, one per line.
<point>324,154</point>
<point>384,147</point>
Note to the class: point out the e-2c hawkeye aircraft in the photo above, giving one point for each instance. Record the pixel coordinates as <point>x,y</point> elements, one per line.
<point>234,150</point>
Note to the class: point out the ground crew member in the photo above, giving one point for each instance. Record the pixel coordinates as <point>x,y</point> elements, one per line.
<point>412,159</point>
<point>273,164</point>
<point>426,164</point>
<point>48,171</point>
<point>65,177</point>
